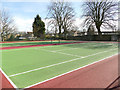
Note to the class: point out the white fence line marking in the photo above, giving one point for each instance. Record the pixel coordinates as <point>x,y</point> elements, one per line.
<point>58,63</point>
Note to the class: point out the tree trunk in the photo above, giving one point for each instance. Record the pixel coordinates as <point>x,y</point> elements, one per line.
<point>59,31</point>
<point>99,33</point>
<point>55,33</point>
<point>2,38</point>
<point>42,36</point>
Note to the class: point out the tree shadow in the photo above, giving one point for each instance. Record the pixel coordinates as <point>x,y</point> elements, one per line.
<point>92,46</point>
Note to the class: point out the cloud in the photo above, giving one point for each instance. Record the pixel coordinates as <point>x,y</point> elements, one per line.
<point>79,23</point>
<point>23,24</point>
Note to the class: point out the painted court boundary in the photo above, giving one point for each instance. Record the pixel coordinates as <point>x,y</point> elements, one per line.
<point>55,76</point>
<point>58,63</point>
<point>47,79</point>
<point>8,78</point>
<point>78,48</point>
<point>55,51</point>
<point>28,46</point>
<point>70,71</point>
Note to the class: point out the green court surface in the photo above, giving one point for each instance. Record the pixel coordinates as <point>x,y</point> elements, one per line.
<point>33,43</point>
<point>28,66</point>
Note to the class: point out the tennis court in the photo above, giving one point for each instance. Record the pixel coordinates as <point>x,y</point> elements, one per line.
<point>28,66</point>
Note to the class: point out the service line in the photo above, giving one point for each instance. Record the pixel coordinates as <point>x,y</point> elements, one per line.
<point>58,63</point>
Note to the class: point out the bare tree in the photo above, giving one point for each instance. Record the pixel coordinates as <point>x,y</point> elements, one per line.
<point>52,25</point>
<point>100,13</point>
<point>62,15</point>
<point>6,25</point>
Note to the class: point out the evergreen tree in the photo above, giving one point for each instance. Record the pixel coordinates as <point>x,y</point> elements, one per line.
<point>38,27</point>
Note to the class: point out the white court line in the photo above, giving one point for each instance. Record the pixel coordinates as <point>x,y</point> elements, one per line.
<point>66,54</point>
<point>62,53</point>
<point>55,51</point>
<point>8,79</point>
<point>82,46</point>
<point>57,64</point>
<point>70,71</point>
<point>69,48</point>
<point>66,49</point>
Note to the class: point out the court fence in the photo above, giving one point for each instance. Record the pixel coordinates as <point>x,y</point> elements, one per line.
<point>95,38</point>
